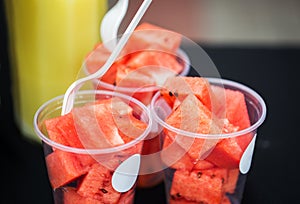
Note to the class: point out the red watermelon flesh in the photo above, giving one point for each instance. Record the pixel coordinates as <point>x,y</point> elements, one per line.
<point>134,78</point>
<point>150,36</point>
<point>197,186</point>
<point>233,176</point>
<point>68,130</point>
<point>182,201</point>
<point>175,156</point>
<point>97,185</point>
<point>236,112</point>
<point>191,109</point>
<point>70,196</point>
<point>63,168</point>
<point>158,59</point>
<point>97,58</point>
<point>103,124</point>
<point>162,45</point>
<point>203,164</point>
<point>53,132</point>
<point>181,86</point>
<point>224,156</point>
<point>129,127</point>
<point>227,154</point>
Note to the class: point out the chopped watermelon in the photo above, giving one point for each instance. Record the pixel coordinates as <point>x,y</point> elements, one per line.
<point>175,156</point>
<point>149,55</point>
<point>181,86</point>
<point>95,126</point>
<point>236,112</point>
<point>90,180</point>
<point>97,58</point>
<point>151,36</point>
<point>134,78</point>
<point>147,67</point>
<point>191,109</point>
<point>70,196</point>
<point>197,186</point>
<point>68,131</point>
<point>233,176</point>
<point>182,201</point>
<point>227,154</point>
<point>63,168</point>
<point>203,164</point>
<point>205,109</point>
<point>97,185</point>
<point>236,108</point>
<point>53,132</point>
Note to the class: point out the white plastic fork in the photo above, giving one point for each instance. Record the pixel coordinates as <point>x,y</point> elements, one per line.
<point>69,96</point>
<point>111,22</point>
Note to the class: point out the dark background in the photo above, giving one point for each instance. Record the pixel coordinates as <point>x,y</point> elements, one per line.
<point>271,71</point>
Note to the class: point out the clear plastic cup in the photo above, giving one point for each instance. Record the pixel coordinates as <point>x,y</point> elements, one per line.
<point>143,93</point>
<point>217,174</point>
<point>84,174</point>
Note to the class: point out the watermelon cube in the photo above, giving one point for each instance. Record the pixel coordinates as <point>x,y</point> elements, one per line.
<point>226,154</point>
<point>68,130</point>
<point>235,111</point>
<point>175,156</point>
<point>182,201</point>
<point>150,36</point>
<point>95,126</point>
<point>197,186</point>
<point>181,86</point>
<point>230,184</point>
<point>63,168</point>
<point>97,185</point>
<point>53,132</point>
<point>192,109</point>
<point>70,196</point>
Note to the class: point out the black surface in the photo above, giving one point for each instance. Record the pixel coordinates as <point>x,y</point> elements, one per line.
<point>273,177</point>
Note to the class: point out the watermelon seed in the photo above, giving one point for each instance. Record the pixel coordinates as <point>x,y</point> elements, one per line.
<point>213,176</point>
<point>178,195</point>
<point>170,93</point>
<point>103,190</point>
<point>199,174</point>
<point>176,94</point>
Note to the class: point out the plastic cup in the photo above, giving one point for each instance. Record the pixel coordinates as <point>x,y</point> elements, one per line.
<point>84,175</point>
<point>45,38</point>
<point>144,94</point>
<point>203,180</point>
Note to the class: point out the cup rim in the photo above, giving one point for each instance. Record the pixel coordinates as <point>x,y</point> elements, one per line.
<point>220,135</point>
<point>186,68</point>
<point>65,148</point>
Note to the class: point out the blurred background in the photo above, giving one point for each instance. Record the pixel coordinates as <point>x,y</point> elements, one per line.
<point>255,42</point>
<point>230,22</point>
